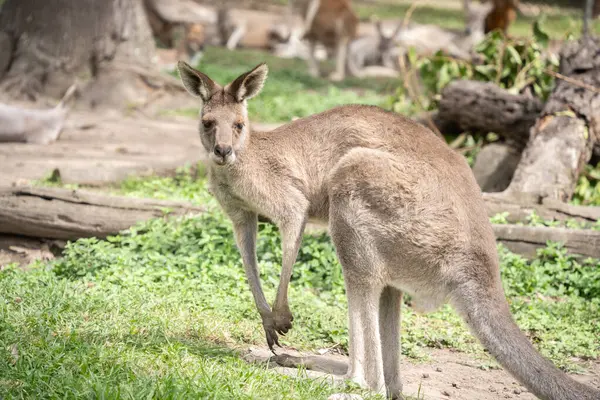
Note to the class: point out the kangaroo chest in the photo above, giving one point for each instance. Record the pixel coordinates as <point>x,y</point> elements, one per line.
<point>234,193</point>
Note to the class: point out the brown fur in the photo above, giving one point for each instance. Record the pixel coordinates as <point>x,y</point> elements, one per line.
<point>250,28</point>
<point>404,212</point>
<point>333,25</point>
<point>192,35</point>
<point>502,15</point>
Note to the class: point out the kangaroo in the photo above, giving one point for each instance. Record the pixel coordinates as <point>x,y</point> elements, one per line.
<point>191,38</point>
<point>332,23</point>
<point>404,212</point>
<point>374,54</point>
<point>503,13</point>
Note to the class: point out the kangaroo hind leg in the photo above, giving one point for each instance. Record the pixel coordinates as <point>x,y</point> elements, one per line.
<point>389,330</point>
<point>363,290</point>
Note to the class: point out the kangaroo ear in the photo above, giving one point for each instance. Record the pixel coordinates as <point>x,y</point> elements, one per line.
<point>249,84</point>
<point>195,82</point>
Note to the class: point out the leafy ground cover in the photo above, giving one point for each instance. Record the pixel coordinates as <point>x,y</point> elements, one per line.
<point>163,309</point>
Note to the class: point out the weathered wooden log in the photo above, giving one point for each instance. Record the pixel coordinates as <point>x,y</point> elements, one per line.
<point>484,107</point>
<point>519,209</point>
<point>566,131</point>
<point>71,214</point>
<point>525,240</point>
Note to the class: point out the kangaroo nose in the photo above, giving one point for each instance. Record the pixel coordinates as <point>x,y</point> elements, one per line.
<point>223,150</point>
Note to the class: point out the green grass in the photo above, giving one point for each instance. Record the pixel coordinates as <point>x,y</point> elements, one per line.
<point>163,310</point>
<point>290,91</point>
<point>557,25</point>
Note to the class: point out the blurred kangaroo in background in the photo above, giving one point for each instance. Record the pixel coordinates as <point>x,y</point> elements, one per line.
<point>405,215</point>
<point>502,15</point>
<point>332,23</point>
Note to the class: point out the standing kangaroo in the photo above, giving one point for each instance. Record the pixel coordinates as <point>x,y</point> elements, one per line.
<point>332,23</point>
<point>405,215</point>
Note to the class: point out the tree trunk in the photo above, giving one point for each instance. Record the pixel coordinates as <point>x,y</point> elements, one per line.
<point>562,140</point>
<point>71,214</point>
<point>46,45</point>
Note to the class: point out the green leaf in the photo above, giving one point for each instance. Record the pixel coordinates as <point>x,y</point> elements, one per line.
<point>514,55</point>
<point>488,71</point>
<point>412,56</point>
<point>538,33</point>
<point>443,77</point>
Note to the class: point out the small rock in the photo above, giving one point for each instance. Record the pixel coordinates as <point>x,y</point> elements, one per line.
<point>454,384</point>
<point>438,369</point>
<point>425,375</point>
<point>517,391</point>
<point>445,393</point>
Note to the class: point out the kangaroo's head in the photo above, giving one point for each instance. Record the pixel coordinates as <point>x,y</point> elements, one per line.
<point>224,125</point>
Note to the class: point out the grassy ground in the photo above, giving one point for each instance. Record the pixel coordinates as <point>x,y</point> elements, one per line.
<point>557,25</point>
<point>162,310</point>
<point>559,22</point>
<point>290,91</point>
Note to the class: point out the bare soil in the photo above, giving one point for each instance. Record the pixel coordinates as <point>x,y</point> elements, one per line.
<point>446,375</point>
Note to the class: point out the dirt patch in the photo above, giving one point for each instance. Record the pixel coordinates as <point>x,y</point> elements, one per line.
<point>96,149</point>
<point>447,375</point>
<point>23,251</point>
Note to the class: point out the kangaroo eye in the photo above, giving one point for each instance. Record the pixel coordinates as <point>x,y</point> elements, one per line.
<point>239,126</point>
<point>207,124</point>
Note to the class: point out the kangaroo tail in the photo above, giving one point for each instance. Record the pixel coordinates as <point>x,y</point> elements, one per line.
<point>488,316</point>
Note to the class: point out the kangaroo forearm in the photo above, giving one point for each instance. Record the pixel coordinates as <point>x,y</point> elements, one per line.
<point>251,269</point>
<point>245,228</point>
<point>292,239</point>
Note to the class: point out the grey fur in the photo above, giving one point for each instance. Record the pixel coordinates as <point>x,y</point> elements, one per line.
<point>405,215</point>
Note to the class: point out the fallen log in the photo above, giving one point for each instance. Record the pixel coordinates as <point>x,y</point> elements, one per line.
<point>71,214</point>
<point>551,210</point>
<point>53,213</point>
<point>471,106</point>
<point>482,107</point>
<point>525,240</point>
